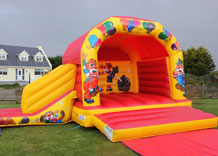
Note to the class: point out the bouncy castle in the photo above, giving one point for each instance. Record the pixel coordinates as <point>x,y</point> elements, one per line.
<point>125,77</point>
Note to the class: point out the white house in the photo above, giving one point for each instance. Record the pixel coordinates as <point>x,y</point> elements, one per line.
<point>22,64</point>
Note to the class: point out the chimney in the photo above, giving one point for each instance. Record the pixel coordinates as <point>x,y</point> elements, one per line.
<point>39,47</point>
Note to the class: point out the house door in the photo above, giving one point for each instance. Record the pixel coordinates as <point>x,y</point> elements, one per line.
<point>20,74</point>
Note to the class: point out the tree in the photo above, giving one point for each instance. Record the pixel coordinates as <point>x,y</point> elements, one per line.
<point>55,61</point>
<point>198,61</point>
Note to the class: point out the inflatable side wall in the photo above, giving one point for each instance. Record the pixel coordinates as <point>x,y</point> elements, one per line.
<point>47,88</point>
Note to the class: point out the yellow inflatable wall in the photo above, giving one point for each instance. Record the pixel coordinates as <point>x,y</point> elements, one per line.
<point>47,88</point>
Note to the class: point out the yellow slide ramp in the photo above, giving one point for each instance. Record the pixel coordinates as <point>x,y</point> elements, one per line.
<point>46,89</point>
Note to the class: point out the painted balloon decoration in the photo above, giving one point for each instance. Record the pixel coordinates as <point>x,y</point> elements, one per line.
<point>136,24</point>
<point>148,26</point>
<point>165,32</point>
<point>125,23</point>
<point>102,29</point>
<point>111,31</point>
<point>175,46</point>
<point>108,25</point>
<point>129,24</point>
<point>107,28</point>
<point>24,120</point>
<point>165,35</point>
<point>94,41</point>
<point>170,36</point>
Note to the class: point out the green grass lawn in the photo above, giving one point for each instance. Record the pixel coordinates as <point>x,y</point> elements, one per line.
<point>207,105</point>
<point>9,106</point>
<point>59,140</point>
<point>64,140</point>
<point>9,86</point>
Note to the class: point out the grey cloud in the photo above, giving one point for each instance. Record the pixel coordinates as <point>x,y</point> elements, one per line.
<point>54,23</point>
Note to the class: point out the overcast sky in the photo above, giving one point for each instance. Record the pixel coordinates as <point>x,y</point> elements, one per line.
<point>56,23</point>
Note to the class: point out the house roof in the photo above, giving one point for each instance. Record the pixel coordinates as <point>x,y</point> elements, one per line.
<point>13,60</point>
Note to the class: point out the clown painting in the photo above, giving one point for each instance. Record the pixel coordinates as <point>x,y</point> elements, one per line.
<point>90,85</point>
<point>179,75</point>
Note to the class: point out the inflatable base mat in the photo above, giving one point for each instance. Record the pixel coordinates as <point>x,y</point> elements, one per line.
<point>126,101</point>
<point>136,124</point>
<point>195,143</point>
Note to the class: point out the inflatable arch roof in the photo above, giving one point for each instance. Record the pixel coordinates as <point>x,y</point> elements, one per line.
<point>130,39</point>
<point>122,28</point>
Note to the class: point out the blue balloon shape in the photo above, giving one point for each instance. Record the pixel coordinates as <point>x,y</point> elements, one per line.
<point>93,39</point>
<point>130,25</point>
<point>165,31</point>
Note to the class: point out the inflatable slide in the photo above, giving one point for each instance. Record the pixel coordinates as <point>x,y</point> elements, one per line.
<point>125,77</point>
<point>48,100</point>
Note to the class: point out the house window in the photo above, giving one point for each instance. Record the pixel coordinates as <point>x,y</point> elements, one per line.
<point>39,58</point>
<point>39,72</point>
<point>24,58</point>
<point>2,57</point>
<point>3,71</point>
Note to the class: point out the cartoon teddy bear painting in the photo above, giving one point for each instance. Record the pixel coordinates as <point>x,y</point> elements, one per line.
<point>109,70</point>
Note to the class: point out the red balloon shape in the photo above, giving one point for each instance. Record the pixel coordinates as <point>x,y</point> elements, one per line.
<point>102,29</point>
<point>125,23</point>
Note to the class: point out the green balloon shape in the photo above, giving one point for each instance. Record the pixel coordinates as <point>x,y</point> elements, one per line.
<point>145,25</point>
<point>108,25</point>
<point>163,36</point>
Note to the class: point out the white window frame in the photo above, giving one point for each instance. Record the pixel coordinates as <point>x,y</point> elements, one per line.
<point>41,71</point>
<point>2,56</point>
<point>3,71</point>
<point>23,58</point>
<point>39,58</point>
